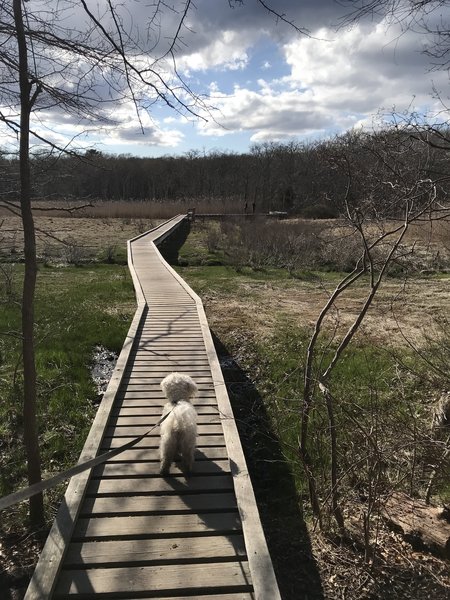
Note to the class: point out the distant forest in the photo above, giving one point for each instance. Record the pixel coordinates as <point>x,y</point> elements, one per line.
<point>309,179</point>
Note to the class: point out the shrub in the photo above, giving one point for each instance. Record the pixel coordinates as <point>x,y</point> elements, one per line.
<point>319,211</point>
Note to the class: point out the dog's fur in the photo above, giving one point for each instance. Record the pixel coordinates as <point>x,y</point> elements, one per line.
<point>179,430</point>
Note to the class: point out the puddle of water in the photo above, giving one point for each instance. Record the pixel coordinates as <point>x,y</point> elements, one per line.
<point>102,367</point>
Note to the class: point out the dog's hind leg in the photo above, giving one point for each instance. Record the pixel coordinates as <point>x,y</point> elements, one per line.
<point>187,454</point>
<point>168,448</point>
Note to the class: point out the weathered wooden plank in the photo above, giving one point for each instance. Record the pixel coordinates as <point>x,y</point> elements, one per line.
<point>140,429</point>
<point>159,315</point>
<point>138,425</point>
<point>160,325</point>
<point>185,309</point>
<point>145,410</point>
<point>154,379</point>
<point>192,549</point>
<point>147,365</point>
<point>169,342</point>
<point>171,349</point>
<point>170,484</point>
<point>152,441</point>
<point>150,420</point>
<point>173,355</point>
<point>183,503</point>
<point>157,322</point>
<point>154,394</point>
<point>155,369</point>
<point>177,324</point>
<point>137,384</point>
<point>136,455</point>
<point>156,525</point>
<point>158,361</point>
<point>166,317</point>
<point>151,334</point>
<point>147,469</point>
<point>136,404</point>
<point>195,578</point>
<point>219,596</point>
<point>172,332</point>
<point>143,370</point>
<point>149,379</point>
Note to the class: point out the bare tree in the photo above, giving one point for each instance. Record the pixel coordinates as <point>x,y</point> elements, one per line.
<point>27,99</point>
<point>47,65</point>
<point>428,17</point>
<point>380,205</point>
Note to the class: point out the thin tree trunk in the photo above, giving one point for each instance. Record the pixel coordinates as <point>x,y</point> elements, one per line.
<point>334,461</point>
<point>31,440</point>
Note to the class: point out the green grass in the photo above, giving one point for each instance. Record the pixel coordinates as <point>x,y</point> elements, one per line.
<point>224,278</point>
<point>377,392</point>
<point>77,308</point>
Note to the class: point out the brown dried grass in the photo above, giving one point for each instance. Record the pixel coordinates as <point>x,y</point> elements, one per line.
<point>129,209</point>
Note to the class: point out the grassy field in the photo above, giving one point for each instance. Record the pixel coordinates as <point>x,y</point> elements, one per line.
<point>261,307</point>
<point>75,240</point>
<point>265,316</point>
<point>77,308</point>
<point>385,390</point>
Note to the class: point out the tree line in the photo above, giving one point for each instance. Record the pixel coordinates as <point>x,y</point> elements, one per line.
<point>310,179</point>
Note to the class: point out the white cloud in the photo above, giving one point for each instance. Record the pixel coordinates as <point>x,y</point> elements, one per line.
<point>228,51</point>
<point>362,70</point>
<point>268,114</point>
<point>333,85</point>
<point>166,138</point>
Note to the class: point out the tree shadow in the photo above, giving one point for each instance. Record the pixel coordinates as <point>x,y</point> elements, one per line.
<point>288,539</point>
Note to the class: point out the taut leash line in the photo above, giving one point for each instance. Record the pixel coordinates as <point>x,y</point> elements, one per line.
<point>36,488</point>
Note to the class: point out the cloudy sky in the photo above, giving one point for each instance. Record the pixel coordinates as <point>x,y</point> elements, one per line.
<point>265,81</point>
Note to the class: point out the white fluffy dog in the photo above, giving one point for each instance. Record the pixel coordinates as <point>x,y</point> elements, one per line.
<point>179,430</point>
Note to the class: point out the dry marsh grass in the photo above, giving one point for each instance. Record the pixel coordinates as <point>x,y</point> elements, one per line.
<point>130,209</point>
<point>71,238</point>
<point>312,251</point>
<point>333,245</point>
<point>150,209</point>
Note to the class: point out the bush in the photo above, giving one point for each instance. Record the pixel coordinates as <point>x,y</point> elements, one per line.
<point>319,211</point>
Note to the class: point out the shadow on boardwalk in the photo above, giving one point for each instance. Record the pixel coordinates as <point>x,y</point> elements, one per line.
<point>286,533</point>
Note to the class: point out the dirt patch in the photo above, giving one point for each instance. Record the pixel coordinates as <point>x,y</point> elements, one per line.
<point>402,312</point>
<point>19,553</point>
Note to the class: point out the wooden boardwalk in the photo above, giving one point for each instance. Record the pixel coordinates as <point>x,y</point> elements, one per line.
<point>123,531</point>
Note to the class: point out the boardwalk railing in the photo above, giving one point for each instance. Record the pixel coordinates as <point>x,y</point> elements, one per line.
<point>123,530</point>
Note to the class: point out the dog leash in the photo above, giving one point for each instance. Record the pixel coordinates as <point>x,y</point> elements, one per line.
<point>36,488</point>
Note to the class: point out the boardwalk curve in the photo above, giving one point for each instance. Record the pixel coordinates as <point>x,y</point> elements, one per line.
<point>122,530</point>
